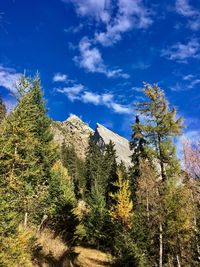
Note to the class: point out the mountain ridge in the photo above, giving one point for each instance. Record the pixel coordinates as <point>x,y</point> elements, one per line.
<point>75,132</point>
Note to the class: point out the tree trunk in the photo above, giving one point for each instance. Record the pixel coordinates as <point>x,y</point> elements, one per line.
<point>25,219</point>
<point>161,245</point>
<point>147,203</point>
<point>178,261</point>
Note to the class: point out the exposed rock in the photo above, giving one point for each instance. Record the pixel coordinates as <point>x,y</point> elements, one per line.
<point>102,137</point>
<point>75,132</point>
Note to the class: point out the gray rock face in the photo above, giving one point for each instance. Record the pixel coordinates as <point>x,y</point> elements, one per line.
<point>103,136</point>
<point>74,132</point>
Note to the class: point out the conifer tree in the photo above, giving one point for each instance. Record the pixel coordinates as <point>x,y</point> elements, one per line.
<point>93,163</point>
<point>159,127</point>
<point>95,220</point>
<point>124,247</point>
<point>179,225</point>
<point>2,109</point>
<point>76,169</point>
<point>61,202</point>
<point>26,149</point>
<point>110,168</point>
<point>192,174</point>
<point>137,145</point>
<point>147,212</point>
<point>122,208</point>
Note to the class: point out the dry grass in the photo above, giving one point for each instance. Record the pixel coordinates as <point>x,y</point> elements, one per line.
<point>92,258</point>
<point>54,253</point>
<point>51,244</point>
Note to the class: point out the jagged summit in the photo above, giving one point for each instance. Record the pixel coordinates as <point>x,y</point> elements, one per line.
<point>75,132</point>
<point>103,136</point>
<point>76,121</point>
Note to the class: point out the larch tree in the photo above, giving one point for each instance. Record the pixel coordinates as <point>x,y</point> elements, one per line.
<point>27,151</point>
<point>159,126</point>
<point>192,174</point>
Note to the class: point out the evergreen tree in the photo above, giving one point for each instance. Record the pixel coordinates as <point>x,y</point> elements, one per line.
<point>110,168</point>
<point>2,109</point>
<point>137,145</point>
<point>93,163</point>
<point>95,220</point>
<point>148,212</point>
<point>62,202</point>
<point>76,169</point>
<point>179,224</point>
<point>124,247</point>
<point>158,129</point>
<point>26,149</point>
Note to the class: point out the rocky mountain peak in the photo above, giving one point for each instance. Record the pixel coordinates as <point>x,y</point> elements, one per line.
<point>74,132</point>
<point>102,136</point>
<point>76,124</point>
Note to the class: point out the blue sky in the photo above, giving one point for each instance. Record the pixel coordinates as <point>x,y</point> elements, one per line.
<point>94,55</point>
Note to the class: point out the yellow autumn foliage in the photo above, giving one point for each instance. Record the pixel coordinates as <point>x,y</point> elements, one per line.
<point>123,208</point>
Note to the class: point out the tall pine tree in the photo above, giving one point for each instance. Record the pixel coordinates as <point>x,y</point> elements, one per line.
<point>158,128</point>
<point>2,109</point>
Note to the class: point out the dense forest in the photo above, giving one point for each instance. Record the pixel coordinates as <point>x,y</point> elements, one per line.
<point>144,216</point>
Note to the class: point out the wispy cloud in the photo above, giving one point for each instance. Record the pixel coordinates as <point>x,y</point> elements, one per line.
<point>81,93</point>
<point>8,78</point>
<point>59,77</point>
<point>106,99</point>
<point>99,10</point>
<point>189,81</point>
<point>188,77</point>
<point>130,14</point>
<point>181,52</point>
<point>137,89</point>
<point>72,92</point>
<point>116,18</point>
<point>184,8</point>
<point>91,60</point>
<point>141,65</point>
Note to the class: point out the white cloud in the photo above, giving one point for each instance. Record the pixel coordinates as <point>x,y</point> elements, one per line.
<point>131,14</point>
<point>73,92</point>
<point>182,52</point>
<point>188,77</point>
<point>118,108</point>
<point>97,9</point>
<point>8,78</point>
<point>116,18</point>
<point>184,8</point>
<point>137,89</point>
<point>79,92</point>
<point>91,59</point>
<point>189,81</point>
<point>59,77</point>
<point>89,97</point>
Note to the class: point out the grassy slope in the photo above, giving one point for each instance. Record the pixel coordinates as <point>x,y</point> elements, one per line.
<point>54,253</point>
